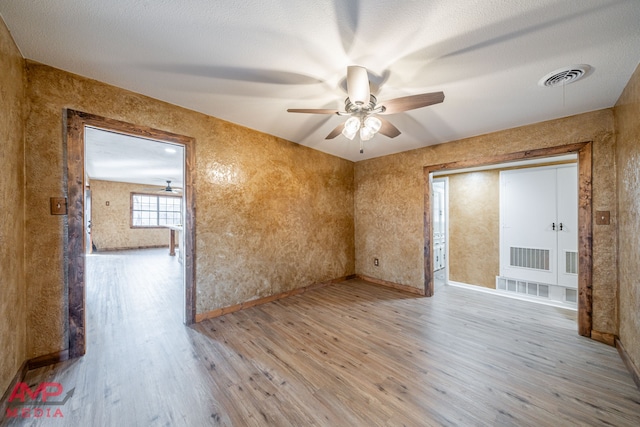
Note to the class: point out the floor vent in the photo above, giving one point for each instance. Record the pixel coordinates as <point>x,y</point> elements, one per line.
<point>536,290</point>
<point>522,287</point>
<point>529,258</point>
<point>543,291</point>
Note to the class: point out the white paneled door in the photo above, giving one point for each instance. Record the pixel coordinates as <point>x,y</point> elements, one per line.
<point>539,224</point>
<point>568,226</point>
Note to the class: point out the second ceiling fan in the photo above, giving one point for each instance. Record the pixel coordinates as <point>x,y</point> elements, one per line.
<point>364,109</point>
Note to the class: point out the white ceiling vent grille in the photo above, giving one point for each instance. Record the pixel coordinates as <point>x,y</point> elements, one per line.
<point>564,76</point>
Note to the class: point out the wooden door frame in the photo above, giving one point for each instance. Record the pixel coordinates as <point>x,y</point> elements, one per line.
<point>76,121</point>
<point>585,224</point>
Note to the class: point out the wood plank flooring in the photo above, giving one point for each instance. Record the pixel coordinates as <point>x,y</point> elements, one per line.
<point>351,354</point>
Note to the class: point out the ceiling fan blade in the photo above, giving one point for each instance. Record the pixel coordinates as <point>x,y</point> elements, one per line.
<point>387,129</point>
<point>312,111</point>
<point>162,190</point>
<point>412,102</point>
<point>337,131</point>
<point>358,85</point>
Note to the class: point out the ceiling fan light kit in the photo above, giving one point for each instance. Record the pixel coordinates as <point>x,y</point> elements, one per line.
<point>351,127</point>
<point>362,107</point>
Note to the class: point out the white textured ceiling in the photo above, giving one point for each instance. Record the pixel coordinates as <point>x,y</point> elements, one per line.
<point>247,61</point>
<point>115,157</point>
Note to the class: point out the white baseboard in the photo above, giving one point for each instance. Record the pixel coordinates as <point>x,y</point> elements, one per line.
<point>510,295</point>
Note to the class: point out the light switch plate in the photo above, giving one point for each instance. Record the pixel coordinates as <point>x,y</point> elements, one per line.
<point>603,217</point>
<point>58,206</point>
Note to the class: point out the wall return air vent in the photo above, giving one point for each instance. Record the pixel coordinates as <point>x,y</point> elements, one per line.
<point>564,76</point>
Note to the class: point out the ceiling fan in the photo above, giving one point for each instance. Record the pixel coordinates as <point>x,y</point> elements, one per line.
<point>168,189</point>
<point>363,108</point>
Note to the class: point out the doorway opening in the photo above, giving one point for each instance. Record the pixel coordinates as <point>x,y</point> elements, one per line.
<point>583,152</point>
<point>77,125</point>
<point>513,229</point>
<point>440,210</point>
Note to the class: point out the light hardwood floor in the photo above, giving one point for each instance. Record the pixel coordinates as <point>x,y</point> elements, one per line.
<point>351,354</point>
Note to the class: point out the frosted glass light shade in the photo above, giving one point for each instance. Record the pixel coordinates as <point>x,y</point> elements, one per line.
<point>351,127</point>
<point>373,123</point>
<point>366,133</point>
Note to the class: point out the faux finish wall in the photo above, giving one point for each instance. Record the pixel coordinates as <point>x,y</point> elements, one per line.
<point>110,225</point>
<point>271,215</point>
<point>627,112</point>
<point>474,228</point>
<point>389,201</point>
<point>13,332</point>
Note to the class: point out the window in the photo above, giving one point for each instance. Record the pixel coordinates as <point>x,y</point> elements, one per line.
<point>149,210</point>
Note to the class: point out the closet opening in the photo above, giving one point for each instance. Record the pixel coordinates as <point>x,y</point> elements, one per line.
<point>498,238</point>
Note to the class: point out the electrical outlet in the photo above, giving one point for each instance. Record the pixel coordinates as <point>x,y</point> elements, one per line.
<point>376,262</point>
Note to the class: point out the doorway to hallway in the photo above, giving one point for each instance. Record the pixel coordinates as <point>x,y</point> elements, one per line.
<point>77,125</point>
<point>440,232</point>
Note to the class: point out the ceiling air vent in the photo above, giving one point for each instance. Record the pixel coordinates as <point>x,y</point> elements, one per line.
<point>566,75</point>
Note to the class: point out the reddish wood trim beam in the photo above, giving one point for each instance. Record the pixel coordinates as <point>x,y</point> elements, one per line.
<point>428,233</point>
<point>633,369</point>
<point>396,286</point>
<point>585,242</point>
<point>510,157</point>
<point>48,359</point>
<point>248,304</point>
<point>604,337</point>
<point>172,243</point>
<point>75,232</point>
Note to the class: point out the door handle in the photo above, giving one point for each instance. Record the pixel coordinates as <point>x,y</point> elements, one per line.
<point>553,226</point>
<point>560,226</point>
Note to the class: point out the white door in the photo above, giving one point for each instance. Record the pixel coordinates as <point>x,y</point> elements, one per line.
<point>528,236</point>
<point>568,226</point>
<point>539,224</point>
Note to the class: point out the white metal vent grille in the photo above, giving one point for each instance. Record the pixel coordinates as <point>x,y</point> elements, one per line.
<point>522,287</point>
<point>564,76</point>
<point>537,291</point>
<point>571,262</point>
<point>529,258</point>
<point>543,291</point>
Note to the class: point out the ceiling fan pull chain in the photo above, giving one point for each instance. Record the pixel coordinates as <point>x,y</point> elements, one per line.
<point>361,146</point>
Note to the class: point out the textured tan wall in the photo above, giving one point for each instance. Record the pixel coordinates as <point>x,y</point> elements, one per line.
<point>389,201</point>
<point>627,112</point>
<point>474,228</point>
<point>110,225</point>
<point>13,333</point>
<point>271,215</point>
